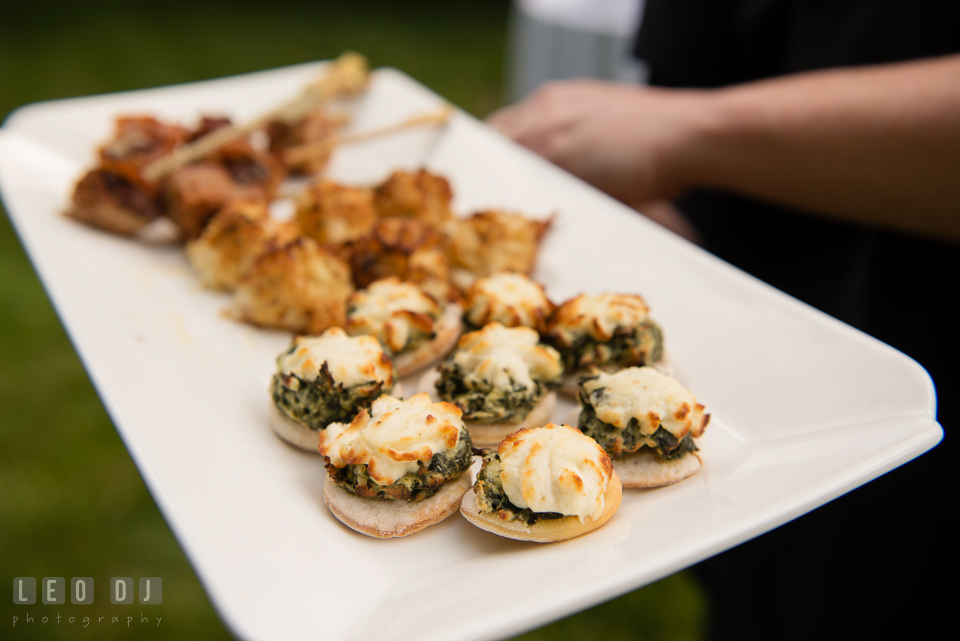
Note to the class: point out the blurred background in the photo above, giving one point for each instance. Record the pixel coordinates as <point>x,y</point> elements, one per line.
<point>71,501</point>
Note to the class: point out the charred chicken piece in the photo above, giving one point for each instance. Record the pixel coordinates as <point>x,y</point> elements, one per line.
<point>114,196</point>
<point>315,127</point>
<point>193,194</point>
<point>112,202</point>
<point>299,286</point>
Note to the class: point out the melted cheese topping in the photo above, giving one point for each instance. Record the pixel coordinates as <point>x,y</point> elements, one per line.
<point>555,468</point>
<point>351,360</point>
<point>393,311</point>
<point>505,357</point>
<point>651,397</point>
<point>598,316</point>
<point>393,436</point>
<point>508,298</point>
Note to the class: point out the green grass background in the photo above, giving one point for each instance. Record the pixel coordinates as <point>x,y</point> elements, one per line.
<point>71,501</point>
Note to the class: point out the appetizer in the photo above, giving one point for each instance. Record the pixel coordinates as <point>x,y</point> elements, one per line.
<point>421,195</point>
<point>406,248</point>
<point>511,299</point>
<point>398,467</point>
<point>333,214</point>
<point>503,380</point>
<point>492,241</point>
<point>546,484</point>
<point>114,196</point>
<point>606,332</point>
<point>299,286</point>
<point>315,127</point>
<point>415,328</point>
<point>231,241</point>
<point>325,379</point>
<point>646,421</point>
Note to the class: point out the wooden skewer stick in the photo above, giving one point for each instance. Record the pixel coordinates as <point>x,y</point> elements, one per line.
<point>320,148</point>
<point>348,75</point>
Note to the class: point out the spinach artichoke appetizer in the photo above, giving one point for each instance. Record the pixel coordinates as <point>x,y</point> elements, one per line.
<point>397,467</point>
<point>606,332</point>
<point>502,379</point>
<point>324,379</point>
<point>646,421</point>
<point>544,484</point>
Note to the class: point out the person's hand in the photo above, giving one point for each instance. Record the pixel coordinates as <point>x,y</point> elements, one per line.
<point>627,140</point>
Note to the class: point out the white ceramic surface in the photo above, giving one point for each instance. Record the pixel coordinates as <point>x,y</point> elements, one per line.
<point>804,408</point>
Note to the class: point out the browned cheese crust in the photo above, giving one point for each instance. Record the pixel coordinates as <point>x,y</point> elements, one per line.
<point>491,241</point>
<point>385,519</point>
<point>403,247</point>
<point>487,301</point>
<point>420,195</point>
<point>298,286</point>
<point>232,240</point>
<point>547,530</point>
<point>333,214</point>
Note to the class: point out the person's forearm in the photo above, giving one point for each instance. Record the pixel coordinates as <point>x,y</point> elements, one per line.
<point>879,145</point>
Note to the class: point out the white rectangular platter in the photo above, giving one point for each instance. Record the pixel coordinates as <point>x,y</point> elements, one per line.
<point>804,408</point>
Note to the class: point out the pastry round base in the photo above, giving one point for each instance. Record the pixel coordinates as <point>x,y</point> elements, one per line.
<point>645,469</point>
<point>301,435</point>
<point>433,350</point>
<point>385,518</point>
<point>490,434</point>
<point>293,432</point>
<point>546,531</point>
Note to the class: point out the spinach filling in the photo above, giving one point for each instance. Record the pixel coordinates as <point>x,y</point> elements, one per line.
<point>618,441</point>
<point>640,344</point>
<point>481,401</point>
<point>492,499</point>
<point>413,486</point>
<point>317,403</point>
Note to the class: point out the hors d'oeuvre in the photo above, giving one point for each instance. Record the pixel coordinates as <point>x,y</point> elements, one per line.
<point>420,195</point>
<point>299,286</point>
<point>114,195</point>
<point>646,421</point>
<point>398,467</point>
<point>231,241</point>
<point>545,484</point>
<point>503,380</point>
<point>407,248</point>
<point>326,379</point>
<point>492,241</point>
<point>510,298</point>
<point>413,326</point>
<point>315,127</point>
<point>606,332</point>
<point>333,214</point>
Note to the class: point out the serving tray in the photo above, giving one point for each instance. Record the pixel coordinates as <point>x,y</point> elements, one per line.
<point>804,407</point>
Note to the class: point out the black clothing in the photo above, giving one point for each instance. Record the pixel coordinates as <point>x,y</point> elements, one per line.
<point>871,564</point>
